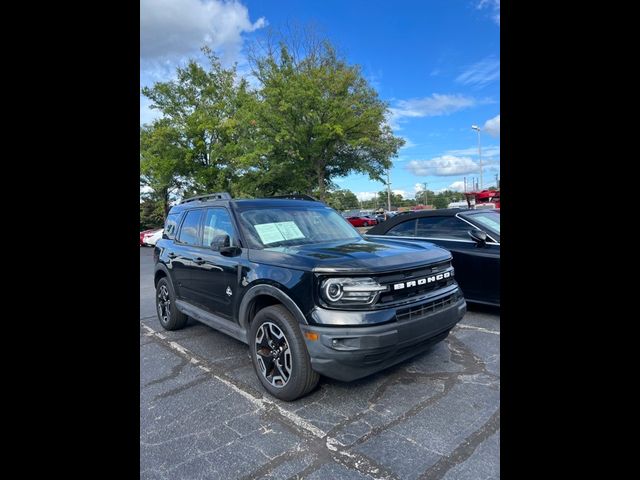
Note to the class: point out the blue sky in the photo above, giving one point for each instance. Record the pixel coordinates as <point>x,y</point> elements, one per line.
<point>436,62</point>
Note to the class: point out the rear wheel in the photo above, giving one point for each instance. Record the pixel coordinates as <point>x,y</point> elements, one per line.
<point>365,224</point>
<point>170,317</point>
<point>279,354</point>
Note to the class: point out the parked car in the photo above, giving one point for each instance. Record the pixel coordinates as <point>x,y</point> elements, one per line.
<point>472,236</point>
<point>362,221</point>
<point>152,237</point>
<point>300,286</point>
<point>143,233</point>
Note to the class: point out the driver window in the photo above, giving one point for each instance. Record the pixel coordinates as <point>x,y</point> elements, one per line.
<point>217,222</point>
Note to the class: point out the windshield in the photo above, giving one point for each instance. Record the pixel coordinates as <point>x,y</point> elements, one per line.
<point>488,220</point>
<point>290,226</point>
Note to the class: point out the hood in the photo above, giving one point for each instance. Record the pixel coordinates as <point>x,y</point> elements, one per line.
<point>353,256</point>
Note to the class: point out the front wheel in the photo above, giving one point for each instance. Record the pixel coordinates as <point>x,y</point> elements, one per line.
<point>365,224</point>
<point>279,354</point>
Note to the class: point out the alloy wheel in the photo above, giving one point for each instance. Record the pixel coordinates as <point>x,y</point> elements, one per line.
<point>164,303</point>
<point>273,354</point>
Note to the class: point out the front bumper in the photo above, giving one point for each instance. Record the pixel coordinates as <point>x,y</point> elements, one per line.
<point>349,353</point>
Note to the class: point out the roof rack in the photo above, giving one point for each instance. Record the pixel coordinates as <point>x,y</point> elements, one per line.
<point>297,196</point>
<point>214,196</point>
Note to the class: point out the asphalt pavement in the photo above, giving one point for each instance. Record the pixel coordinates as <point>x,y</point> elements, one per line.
<point>205,415</point>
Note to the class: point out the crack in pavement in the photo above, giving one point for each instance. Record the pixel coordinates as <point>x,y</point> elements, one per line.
<point>319,439</point>
<point>479,329</point>
<point>464,450</point>
<point>326,448</point>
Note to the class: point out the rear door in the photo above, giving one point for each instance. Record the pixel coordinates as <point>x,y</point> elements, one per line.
<point>186,249</point>
<point>215,278</point>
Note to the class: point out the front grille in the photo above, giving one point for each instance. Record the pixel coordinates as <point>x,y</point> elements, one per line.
<point>420,311</point>
<point>393,296</point>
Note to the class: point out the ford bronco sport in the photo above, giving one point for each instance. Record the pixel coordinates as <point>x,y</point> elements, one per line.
<point>296,282</point>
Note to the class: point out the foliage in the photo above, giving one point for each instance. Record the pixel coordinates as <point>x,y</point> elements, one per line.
<point>342,200</point>
<point>202,107</point>
<point>317,119</point>
<point>162,162</point>
<point>151,214</point>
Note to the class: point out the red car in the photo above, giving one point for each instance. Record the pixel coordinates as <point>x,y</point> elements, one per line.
<point>143,233</point>
<point>362,221</point>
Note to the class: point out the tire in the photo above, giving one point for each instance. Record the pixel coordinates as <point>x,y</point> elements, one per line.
<point>365,224</point>
<point>169,316</point>
<point>277,325</point>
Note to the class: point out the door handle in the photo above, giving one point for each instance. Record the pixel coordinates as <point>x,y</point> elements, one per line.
<point>198,261</point>
<point>172,255</point>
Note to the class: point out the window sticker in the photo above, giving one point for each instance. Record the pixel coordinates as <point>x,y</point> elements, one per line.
<point>277,232</point>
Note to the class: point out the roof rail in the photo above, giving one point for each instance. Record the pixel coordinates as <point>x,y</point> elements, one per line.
<point>214,196</point>
<point>297,196</point>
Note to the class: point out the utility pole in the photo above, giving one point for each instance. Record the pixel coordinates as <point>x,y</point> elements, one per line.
<point>388,192</point>
<point>464,179</point>
<point>476,128</point>
<point>497,181</point>
<point>426,195</point>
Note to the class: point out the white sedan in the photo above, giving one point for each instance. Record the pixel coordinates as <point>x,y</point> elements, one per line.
<point>152,237</point>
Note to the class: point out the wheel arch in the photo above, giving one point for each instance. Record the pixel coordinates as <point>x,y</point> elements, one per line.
<point>264,295</point>
<point>160,272</point>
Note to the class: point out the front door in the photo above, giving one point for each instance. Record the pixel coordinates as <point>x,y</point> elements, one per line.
<point>477,268</point>
<point>184,252</point>
<point>215,279</point>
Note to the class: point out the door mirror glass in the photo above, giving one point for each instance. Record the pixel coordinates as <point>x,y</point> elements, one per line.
<point>219,242</point>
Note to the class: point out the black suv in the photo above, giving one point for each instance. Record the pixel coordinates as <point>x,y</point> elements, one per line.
<point>296,282</point>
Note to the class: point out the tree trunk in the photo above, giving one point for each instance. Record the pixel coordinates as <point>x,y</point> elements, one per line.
<point>321,186</point>
<point>165,199</point>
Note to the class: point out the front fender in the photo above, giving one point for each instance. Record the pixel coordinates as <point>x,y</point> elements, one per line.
<point>270,290</point>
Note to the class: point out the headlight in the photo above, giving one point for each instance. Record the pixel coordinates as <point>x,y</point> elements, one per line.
<point>350,291</point>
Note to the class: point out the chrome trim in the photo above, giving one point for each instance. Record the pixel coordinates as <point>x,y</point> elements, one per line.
<point>478,228</point>
<point>435,238</point>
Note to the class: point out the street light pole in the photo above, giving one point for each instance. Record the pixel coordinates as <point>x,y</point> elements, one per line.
<point>477,128</point>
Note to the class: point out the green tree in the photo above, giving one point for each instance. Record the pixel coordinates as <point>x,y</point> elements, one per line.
<point>151,214</point>
<point>162,165</point>
<point>202,106</point>
<point>317,119</point>
<point>444,198</point>
<point>342,200</point>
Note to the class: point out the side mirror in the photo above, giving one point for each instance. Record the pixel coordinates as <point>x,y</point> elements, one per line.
<point>219,242</point>
<point>479,237</point>
<point>222,244</point>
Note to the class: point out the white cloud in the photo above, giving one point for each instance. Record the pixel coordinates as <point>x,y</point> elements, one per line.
<point>176,28</point>
<point>443,166</point>
<point>488,151</point>
<point>492,126</point>
<point>408,143</point>
<point>435,105</point>
<point>400,192</point>
<point>364,196</point>
<point>457,186</point>
<point>495,7</point>
<point>481,73</point>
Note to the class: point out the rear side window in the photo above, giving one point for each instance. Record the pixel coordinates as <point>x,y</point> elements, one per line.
<point>189,230</point>
<point>171,225</point>
<point>404,229</point>
<point>443,227</point>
